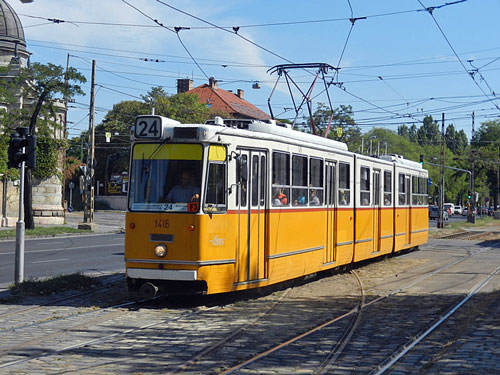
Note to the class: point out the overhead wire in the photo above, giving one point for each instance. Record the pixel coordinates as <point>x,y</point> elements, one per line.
<point>430,10</point>
<point>368,102</point>
<point>235,30</point>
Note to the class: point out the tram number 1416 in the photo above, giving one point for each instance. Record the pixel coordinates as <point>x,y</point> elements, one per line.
<point>148,127</point>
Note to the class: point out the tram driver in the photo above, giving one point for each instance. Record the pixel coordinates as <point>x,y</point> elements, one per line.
<point>185,192</point>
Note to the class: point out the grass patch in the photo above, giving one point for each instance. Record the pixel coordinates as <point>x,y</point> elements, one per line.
<point>53,285</point>
<point>480,222</point>
<point>42,231</point>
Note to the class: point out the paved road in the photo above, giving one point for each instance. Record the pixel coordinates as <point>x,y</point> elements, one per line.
<point>62,255</point>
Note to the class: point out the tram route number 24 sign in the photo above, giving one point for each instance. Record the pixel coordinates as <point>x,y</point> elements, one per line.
<point>148,127</point>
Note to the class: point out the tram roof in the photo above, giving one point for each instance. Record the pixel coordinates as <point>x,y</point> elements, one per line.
<point>281,131</point>
<point>263,129</point>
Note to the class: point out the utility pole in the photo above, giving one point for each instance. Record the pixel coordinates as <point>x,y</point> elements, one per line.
<point>471,217</point>
<point>440,223</point>
<point>65,130</point>
<point>88,216</point>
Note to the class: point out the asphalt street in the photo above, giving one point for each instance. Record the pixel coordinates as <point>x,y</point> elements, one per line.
<point>98,253</point>
<point>45,257</point>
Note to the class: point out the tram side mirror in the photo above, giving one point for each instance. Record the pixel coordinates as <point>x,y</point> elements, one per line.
<point>233,155</point>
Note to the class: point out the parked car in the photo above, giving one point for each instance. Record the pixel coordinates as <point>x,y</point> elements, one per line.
<point>458,210</point>
<point>464,211</point>
<point>434,213</point>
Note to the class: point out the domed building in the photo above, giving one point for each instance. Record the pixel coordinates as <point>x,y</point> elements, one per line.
<point>47,194</point>
<point>12,42</point>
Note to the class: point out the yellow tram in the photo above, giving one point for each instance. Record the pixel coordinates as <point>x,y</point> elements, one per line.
<point>237,204</point>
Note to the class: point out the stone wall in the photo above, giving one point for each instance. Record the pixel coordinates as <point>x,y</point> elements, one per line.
<point>47,206</point>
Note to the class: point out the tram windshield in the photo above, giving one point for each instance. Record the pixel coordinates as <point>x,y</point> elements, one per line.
<point>165,177</point>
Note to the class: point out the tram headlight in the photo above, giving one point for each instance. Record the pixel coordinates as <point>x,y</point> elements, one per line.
<point>160,250</point>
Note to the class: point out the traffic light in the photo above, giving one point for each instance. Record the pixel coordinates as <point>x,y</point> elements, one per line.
<point>469,194</point>
<point>421,159</point>
<point>31,151</point>
<point>17,144</point>
<point>22,147</point>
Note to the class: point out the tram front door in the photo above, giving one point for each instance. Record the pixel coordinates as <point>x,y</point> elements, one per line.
<point>251,175</point>
<point>330,212</point>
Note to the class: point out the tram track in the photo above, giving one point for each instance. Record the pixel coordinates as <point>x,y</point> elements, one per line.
<point>113,314</point>
<point>396,356</point>
<point>468,235</point>
<point>54,300</point>
<point>349,331</point>
<point>220,340</point>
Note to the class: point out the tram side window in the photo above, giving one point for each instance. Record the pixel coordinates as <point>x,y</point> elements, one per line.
<point>344,188</point>
<point>241,179</point>
<point>423,190</point>
<point>299,180</point>
<point>402,189</point>
<point>215,200</point>
<point>316,182</point>
<point>281,179</point>
<point>414,190</point>
<point>387,188</point>
<point>258,180</point>
<point>364,186</point>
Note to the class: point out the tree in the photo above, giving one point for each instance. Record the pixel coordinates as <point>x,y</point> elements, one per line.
<point>342,117</point>
<point>428,133</point>
<point>455,141</point>
<point>43,86</point>
<point>485,151</point>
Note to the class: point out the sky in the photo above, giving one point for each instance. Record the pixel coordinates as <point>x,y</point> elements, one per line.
<point>393,61</point>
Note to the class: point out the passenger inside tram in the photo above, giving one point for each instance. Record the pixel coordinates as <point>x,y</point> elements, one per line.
<point>314,200</point>
<point>279,198</point>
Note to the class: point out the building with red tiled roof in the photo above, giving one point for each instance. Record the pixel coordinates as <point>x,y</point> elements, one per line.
<point>222,101</point>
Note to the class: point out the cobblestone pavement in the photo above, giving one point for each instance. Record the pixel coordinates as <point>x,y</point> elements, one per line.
<point>90,334</point>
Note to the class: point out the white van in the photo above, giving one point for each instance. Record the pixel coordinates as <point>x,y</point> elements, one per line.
<point>458,210</point>
<point>451,206</point>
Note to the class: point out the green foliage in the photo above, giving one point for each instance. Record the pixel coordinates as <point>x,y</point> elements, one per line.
<point>47,156</point>
<point>341,117</point>
<point>71,166</point>
<point>42,85</point>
